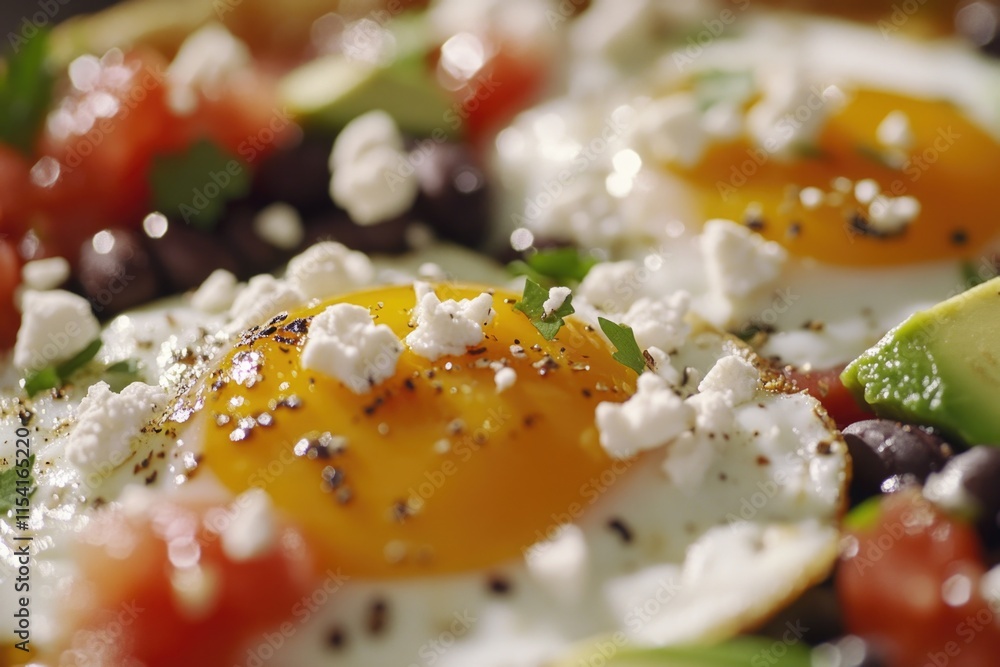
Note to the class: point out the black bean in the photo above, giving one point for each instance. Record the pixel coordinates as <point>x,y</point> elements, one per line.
<point>298,175</point>
<point>978,471</point>
<point>253,254</point>
<point>454,194</point>
<point>887,455</point>
<point>384,237</point>
<point>187,256</point>
<point>115,272</point>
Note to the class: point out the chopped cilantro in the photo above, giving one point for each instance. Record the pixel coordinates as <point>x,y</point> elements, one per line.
<point>554,267</point>
<point>627,350</point>
<point>865,515</point>
<point>25,91</point>
<point>195,184</point>
<point>531,304</point>
<point>10,489</point>
<point>715,86</point>
<point>51,377</point>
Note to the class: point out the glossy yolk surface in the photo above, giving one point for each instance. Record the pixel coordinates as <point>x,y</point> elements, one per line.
<point>950,170</point>
<point>432,471</point>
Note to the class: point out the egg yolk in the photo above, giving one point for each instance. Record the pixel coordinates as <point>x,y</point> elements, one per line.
<point>950,169</point>
<point>433,470</point>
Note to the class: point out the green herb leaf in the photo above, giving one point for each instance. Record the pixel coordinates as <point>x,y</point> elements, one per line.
<point>627,351</point>
<point>51,377</point>
<point>25,91</point>
<point>122,373</point>
<point>9,488</point>
<point>715,86</point>
<point>196,184</point>
<point>531,304</point>
<point>865,515</point>
<point>560,266</point>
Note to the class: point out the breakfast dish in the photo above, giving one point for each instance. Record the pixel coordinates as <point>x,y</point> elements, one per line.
<point>500,334</point>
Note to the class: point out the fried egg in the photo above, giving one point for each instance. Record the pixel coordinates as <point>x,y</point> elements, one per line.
<point>857,163</point>
<point>467,520</point>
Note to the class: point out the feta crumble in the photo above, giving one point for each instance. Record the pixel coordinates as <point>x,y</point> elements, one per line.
<point>891,215</point>
<point>660,322</point>
<point>280,225</point>
<point>106,422</point>
<point>217,293</point>
<point>895,132</point>
<point>345,343</point>
<point>739,262</point>
<point>670,130</point>
<point>263,297</point>
<point>203,60</point>
<point>329,268</point>
<point>602,286</point>
<point>55,326</point>
<point>447,327</point>
<point>557,297</point>
<point>732,377</point>
<point>792,111</point>
<point>45,274</point>
<point>372,178</point>
<point>504,378</point>
<point>253,529</point>
<point>652,417</point>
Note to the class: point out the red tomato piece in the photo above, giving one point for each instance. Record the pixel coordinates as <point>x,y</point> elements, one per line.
<point>10,277</point>
<point>826,387</point>
<point>911,585</point>
<point>128,609</point>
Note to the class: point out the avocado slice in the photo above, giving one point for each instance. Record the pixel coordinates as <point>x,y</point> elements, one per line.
<point>941,368</point>
<point>332,90</point>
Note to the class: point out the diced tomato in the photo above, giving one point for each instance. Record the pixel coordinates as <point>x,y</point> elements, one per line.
<point>14,199</point>
<point>825,386</point>
<point>506,84</point>
<point>911,585</point>
<point>243,117</point>
<point>130,607</point>
<point>10,276</point>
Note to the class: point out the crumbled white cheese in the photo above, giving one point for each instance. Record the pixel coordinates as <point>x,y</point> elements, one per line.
<point>792,111</point>
<point>734,378</point>
<point>55,326</point>
<point>106,422</point>
<point>195,590</point>
<point>253,529</point>
<point>559,564</point>
<point>280,225</point>
<point>713,412</point>
<point>504,378</point>
<point>345,343</point>
<point>662,365</point>
<point>263,297</point>
<point>203,60</point>
<point>689,458</point>
<point>670,130</point>
<point>447,327</point>
<point>738,261</point>
<point>723,121</point>
<point>895,132</point>
<point>946,490</point>
<point>605,286</point>
<point>660,322</point>
<point>557,297</point>
<point>372,177</point>
<point>217,293</point>
<point>652,417</point>
<point>890,215</point>
<point>329,268</point>
<point>45,274</point>
<point>866,190</point>
<point>811,198</point>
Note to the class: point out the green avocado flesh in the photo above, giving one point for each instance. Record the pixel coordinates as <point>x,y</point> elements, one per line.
<point>940,368</point>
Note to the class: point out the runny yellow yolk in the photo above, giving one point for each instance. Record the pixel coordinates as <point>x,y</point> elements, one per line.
<point>433,470</point>
<point>950,169</point>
